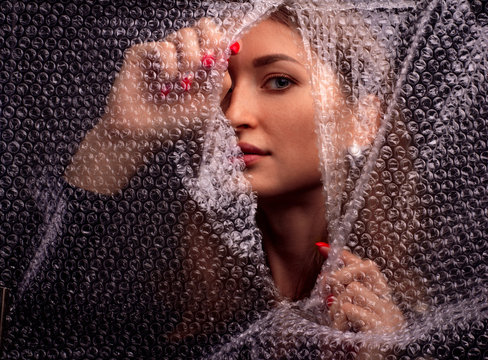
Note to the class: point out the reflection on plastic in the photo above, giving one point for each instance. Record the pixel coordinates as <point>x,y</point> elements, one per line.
<point>3,310</point>
<point>160,256</point>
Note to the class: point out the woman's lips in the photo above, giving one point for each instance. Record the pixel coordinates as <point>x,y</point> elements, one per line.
<point>251,153</point>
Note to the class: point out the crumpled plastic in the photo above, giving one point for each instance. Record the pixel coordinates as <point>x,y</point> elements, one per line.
<point>171,266</point>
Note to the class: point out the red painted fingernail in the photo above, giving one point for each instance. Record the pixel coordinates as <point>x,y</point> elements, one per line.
<point>234,48</point>
<point>208,61</point>
<point>330,300</point>
<point>322,244</point>
<point>186,83</point>
<point>166,89</point>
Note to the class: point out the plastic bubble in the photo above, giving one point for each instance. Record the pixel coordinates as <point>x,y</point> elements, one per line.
<point>133,223</point>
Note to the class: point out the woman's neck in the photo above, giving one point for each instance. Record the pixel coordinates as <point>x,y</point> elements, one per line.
<point>290,228</point>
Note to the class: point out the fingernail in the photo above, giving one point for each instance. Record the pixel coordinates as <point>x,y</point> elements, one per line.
<point>330,300</point>
<point>166,89</point>
<point>186,83</point>
<point>234,48</point>
<point>322,244</point>
<point>208,61</point>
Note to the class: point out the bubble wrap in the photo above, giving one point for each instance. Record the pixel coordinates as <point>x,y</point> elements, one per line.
<point>163,258</point>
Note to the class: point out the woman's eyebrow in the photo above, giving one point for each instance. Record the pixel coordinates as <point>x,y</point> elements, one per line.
<point>269,59</point>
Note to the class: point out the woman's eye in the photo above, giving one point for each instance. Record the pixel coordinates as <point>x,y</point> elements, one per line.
<point>278,83</point>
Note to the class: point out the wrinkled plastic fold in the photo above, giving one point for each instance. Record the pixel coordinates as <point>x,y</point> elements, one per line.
<point>171,265</point>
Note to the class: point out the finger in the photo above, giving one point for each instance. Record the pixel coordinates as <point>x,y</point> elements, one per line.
<point>365,272</point>
<point>363,297</point>
<point>350,258</point>
<point>335,303</point>
<point>323,248</point>
<point>187,45</point>
<point>212,46</point>
<point>360,318</point>
<point>359,312</point>
<point>339,321</point>
<point>168,60</point>
<point>210,37</point>
<point>339,316</point>
<point>153,62</point>
<point>168,70</point>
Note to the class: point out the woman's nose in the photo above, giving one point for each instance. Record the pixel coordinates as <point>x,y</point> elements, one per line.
<point>241,109</point>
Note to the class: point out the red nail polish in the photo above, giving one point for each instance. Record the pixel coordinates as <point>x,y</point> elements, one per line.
<point>322,244</point>
<point>166,88</point>
<point>330,300</point>
<point>208,61</point>
<point>234,48</point>
<point>186,83</point>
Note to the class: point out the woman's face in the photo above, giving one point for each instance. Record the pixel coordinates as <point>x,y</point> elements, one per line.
<point>271,108</point>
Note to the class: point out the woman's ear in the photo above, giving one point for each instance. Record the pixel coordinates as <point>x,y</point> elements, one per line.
<point>366,122</point>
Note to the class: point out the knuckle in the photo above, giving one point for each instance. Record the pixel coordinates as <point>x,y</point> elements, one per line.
<point>354,286</point>
<point>187,33</point>
<point>132,51</point>
<point>203,24</point>
<point>171,37</point>
<point>139,51</point>
<point>371,264</point>
<point>209,24</point>
<point>167,47</point>
<point>206,22</point>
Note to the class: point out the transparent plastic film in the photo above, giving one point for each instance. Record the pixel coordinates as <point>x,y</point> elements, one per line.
<point>243,180</point>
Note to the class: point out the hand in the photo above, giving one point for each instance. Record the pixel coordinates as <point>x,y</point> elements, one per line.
<point>160,82</point>
<point>161,86</point>
<point>360,299</point>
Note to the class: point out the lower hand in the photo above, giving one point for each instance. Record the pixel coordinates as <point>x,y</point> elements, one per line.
<point>360,298</point>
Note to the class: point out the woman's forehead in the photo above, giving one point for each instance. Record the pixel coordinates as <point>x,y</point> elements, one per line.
<point>271,36</point>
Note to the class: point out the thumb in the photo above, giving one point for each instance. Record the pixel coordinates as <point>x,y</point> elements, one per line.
<point>323,248</point>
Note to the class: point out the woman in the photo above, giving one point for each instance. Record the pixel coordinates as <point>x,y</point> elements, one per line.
<point>267,96</point>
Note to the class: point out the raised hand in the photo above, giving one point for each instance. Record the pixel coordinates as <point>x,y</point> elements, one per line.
<point>162,81</point>
<point>160,86</point>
